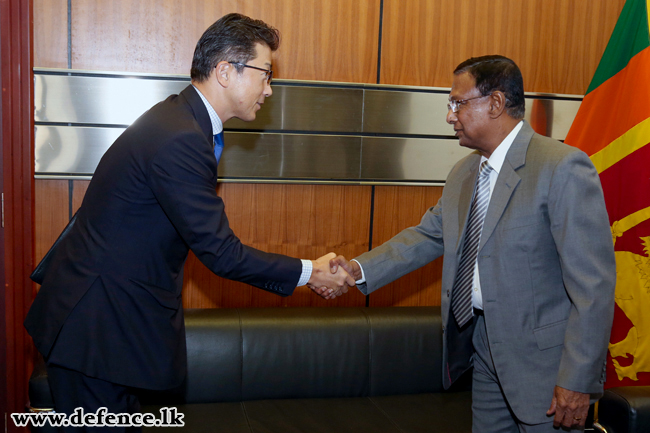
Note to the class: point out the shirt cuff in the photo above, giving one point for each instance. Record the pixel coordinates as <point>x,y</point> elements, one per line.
<point>363,276</point>
<point>306,272</point>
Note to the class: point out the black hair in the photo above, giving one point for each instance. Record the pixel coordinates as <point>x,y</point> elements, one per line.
<point>232,39</point>
<point>493,73</point>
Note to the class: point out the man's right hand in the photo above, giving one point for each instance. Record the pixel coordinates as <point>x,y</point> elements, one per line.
<point>351,267</point>
<point>325,284</point>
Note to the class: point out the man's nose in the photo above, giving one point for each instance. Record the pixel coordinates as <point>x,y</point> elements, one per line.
<point>268,91</point>
<point>451,117</point>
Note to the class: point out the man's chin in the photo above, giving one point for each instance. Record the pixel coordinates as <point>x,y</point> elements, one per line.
<point>248,118</point>
<point>465,143</point>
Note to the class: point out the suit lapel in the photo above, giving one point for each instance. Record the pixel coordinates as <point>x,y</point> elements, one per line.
<point>506,182</point>
<point>200,112</point>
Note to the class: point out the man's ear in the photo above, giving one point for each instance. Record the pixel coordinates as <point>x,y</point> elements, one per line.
<point>223,72</point>
<point>497,104</point>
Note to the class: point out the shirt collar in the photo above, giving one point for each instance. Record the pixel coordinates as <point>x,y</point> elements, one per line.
<point>499,154</point>
<point>217,126</point>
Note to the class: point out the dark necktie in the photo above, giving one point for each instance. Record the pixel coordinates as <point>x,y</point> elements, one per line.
<point>218,145</point>
<point>461,301</point>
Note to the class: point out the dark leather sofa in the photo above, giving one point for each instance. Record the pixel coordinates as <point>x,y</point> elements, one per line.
<point>311,370</point>
<point>625,410</point>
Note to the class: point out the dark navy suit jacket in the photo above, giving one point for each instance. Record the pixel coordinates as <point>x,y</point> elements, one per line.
<point>110,304</point>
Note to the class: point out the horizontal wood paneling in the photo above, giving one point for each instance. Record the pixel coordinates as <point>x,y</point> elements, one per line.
<point>50,33</point>
<point>305,221</point>
<point>396,208</point>
<point>556,43</point>
<point>329,40</point>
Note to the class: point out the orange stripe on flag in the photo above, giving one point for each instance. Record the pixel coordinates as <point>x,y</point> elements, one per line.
<point>614,107</point>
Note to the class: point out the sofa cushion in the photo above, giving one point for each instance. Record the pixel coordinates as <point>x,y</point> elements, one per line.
<point>214,356</point>
<point>304,353</point>
<point>406,346</point>
<point>269,353</point>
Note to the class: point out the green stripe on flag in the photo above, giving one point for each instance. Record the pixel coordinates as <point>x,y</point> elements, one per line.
<point>630,37</point>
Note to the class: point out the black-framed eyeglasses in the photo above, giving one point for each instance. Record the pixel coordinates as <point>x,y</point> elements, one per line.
<point>454,105</point>
<point>268,72</point>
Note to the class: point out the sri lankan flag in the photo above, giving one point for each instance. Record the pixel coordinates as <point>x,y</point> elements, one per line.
<point>613,127</point>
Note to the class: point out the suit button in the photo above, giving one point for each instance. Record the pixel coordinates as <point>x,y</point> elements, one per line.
<point>443,329</point>
<point>447,293</point>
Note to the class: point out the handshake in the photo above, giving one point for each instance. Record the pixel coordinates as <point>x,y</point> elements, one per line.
<point>332,275</point>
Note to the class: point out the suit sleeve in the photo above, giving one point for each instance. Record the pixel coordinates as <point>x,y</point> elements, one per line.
<point>407,251</point>
<point>182,176</point>
<point>580,229</point>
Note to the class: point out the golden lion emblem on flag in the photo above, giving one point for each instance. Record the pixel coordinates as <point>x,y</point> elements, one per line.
<point>633,297</point>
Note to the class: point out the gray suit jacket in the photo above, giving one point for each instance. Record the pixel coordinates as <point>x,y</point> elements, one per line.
<point>546,264</point>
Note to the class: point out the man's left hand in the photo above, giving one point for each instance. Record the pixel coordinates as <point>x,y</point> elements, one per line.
<point>570,408</point>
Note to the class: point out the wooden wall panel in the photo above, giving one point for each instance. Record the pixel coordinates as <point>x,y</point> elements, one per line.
<point>79,188</point>
<point>556,43</point>
<point>422,40</point>
<point>396,208</point>
<point>51,213</point>
<point>50,33</point>
<point>52,209</point>
<point>328,40</point>
<point>305,221</point>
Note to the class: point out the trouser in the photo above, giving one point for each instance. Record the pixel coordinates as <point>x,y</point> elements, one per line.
<point>72,389</point>
<point>491,412</point>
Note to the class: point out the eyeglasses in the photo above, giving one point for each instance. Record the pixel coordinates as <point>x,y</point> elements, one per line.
<point>268,72</point>
<point>454,105</point>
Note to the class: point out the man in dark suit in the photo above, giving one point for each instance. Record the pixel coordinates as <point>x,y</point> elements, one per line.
<point>108,317</point>
<point>529,273</point>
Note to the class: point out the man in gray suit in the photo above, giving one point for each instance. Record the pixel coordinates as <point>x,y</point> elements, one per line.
<point>529,272</point>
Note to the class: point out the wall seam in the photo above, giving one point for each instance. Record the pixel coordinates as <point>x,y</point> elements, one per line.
<point>69,34</point>
<point>381,24</point>
<point>370,231</point>
<point>372,193</point>
<point>70,195</point>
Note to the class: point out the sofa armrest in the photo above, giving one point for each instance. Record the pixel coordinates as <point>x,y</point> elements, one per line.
<point>625,409</point>
<point>40,396</point>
